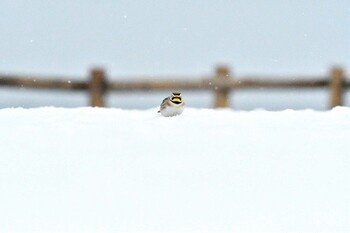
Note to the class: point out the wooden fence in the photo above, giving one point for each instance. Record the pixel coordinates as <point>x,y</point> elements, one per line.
<point>221,83</point>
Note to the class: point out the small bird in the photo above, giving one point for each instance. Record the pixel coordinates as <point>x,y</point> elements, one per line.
<point>172,105</point>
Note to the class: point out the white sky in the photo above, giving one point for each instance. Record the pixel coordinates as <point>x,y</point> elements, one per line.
<point>174,37</point>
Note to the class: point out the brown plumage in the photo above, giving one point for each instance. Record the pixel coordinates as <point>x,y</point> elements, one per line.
<point>172,105</point>
<point>165,103</point>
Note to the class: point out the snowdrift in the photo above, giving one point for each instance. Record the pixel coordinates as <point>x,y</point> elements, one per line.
<point>113,170</point>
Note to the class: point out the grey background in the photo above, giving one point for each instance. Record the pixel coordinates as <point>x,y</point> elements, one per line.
<point>132,38</point>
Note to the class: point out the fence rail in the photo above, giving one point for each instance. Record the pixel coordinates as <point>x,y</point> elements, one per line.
<point>221,83</point>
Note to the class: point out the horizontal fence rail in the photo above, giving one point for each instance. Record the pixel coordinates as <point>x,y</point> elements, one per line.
<point>42,82</point>
<point>221,83</point>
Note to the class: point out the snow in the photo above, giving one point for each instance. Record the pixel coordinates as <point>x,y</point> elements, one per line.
<point>114,170</point>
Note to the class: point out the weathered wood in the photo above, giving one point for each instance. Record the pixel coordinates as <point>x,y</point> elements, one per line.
<point>221,83</point>
<point>97,88</point>
<point>146,85</point>
<point>221,87</point>
<point>336,86</point>
<point>42,82</point>
<point>209,84</point>
<point>282,83</point>
<point>206,83</point>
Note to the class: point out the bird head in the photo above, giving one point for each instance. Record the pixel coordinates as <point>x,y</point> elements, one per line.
<point>176,98</point>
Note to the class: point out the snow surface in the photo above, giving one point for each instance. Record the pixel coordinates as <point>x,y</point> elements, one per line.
<point>113,170</point>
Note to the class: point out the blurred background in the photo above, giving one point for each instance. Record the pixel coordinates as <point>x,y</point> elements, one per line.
<point>152,39</point>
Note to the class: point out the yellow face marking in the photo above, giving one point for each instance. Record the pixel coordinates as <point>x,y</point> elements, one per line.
<point>176,99</point>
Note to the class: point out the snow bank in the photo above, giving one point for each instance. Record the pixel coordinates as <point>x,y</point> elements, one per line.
<point>112,170</point>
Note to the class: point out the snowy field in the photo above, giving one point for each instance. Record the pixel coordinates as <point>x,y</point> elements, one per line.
<point>113,170</point>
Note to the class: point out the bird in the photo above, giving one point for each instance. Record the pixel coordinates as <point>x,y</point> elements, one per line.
<point>172,105</point>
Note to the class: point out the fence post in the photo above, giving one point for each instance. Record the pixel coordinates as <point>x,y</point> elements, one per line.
<point>336,85</point>
<point>97,87</point>
<point>221,92</point>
